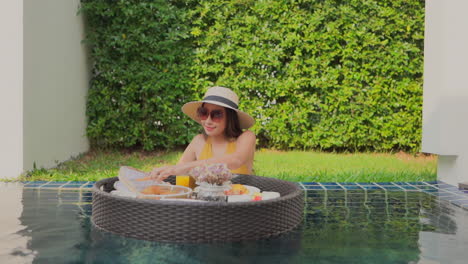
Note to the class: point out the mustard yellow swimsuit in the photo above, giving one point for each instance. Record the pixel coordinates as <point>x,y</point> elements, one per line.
<point>207,153</point>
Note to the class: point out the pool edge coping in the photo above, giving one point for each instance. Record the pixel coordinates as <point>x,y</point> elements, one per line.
<point>440,189</point>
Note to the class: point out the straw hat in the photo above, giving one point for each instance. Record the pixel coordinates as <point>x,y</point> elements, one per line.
<point>221,96</point>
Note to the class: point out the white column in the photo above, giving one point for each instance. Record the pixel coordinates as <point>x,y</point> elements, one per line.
<point>44,79</point>
<point>11,88</point>
<point>56,79</point>
<point>445,107</point>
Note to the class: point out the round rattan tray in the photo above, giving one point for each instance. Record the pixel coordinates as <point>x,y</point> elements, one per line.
<point>185,221</point>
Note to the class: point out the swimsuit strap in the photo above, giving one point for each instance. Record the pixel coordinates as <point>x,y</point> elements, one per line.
<point>207,153</point>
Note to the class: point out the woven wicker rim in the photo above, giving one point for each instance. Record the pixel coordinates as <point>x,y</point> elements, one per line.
<point>98,184</point>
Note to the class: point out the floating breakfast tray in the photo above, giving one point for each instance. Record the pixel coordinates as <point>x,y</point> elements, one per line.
<point>184,221</point>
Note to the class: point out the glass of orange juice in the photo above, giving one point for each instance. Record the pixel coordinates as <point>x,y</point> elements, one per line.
<point>185,180</point>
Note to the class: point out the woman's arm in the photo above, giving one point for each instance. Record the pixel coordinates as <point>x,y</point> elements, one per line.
<point>188,156</point>
<point>245,149</point>
<point>190,151</point>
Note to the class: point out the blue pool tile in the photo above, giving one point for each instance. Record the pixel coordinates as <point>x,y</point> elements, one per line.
<point>73,185</point>
<point>35,184</point>
<point>384,183</point>
<point>371,187</point>
<point>417,183</point>
<point>82,182</point>
<point>392,188</point>
<point>53,184</point>
<point>57,182</point>
<point>310,183</point>
<point>332,187</point>
<point>329,183</point>
<point>401,183</point>
<point>50,186</point>
<point>313,187</point>
<point>408,187</point>
<point>348,183</point>
<point>366,183</point>
<point>88,186</point>
<point>352,187</point>
<point>432,191</point>
<point>432,182</point>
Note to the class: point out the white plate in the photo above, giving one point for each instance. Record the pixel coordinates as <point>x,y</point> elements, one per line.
<point>118,185</point>
<point>250,189</point>
<point>181,199</point>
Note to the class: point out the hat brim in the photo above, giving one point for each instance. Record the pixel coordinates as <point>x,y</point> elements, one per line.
<point>190,109</point>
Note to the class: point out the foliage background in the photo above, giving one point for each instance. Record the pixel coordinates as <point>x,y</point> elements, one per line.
<point>340,75</point>
<point>142,53</point>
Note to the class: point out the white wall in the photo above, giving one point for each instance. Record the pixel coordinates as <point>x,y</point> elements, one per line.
<point>56,78</point>
<point>445,107</point>
<point>44,78</point>
<point>11,88</point>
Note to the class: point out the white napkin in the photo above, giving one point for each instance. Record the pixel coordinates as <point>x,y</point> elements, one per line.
<point>270,195</point>
<point>124,193</point>
<point>239,198</point>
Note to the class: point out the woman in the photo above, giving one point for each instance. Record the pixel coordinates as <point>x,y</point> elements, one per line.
<point>222,140</point>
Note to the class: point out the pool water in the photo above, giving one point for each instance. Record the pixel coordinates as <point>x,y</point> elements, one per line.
<point>340,226</point>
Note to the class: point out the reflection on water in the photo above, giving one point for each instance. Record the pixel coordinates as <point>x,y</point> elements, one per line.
<point>450,243</point>
<point>377,226</point>
<point>13,241</point>
<point>352,227</point>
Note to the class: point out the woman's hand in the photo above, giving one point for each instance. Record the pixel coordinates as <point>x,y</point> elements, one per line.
<point>161,173</point>
<point>155,174</point>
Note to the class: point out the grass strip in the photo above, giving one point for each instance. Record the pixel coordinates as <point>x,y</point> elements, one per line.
<point>304,166</point>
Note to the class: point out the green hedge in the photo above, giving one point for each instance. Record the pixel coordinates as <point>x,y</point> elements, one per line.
<point>321,74</point>
<point>142,55</point>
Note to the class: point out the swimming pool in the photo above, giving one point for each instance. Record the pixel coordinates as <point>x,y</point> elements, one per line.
<point>425,222</point>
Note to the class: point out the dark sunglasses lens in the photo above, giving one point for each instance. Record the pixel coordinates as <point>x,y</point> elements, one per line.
<point>216,115</point>
<point>202,113</point>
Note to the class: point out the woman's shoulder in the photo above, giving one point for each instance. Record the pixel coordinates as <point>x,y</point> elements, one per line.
<point>197,144</point>
<point>247,134</point>
<point>199,139</point>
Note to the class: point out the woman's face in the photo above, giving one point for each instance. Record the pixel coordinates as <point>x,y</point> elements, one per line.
<point>213,119</point>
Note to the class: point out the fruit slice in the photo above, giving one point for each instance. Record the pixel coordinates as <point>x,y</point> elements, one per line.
<point>153,189</point>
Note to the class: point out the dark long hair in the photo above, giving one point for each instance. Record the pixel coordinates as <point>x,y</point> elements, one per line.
<point>232,130</point>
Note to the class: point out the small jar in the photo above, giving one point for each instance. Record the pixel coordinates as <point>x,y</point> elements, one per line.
<point>212,192</point>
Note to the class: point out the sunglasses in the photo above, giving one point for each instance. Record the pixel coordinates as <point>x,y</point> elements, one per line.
<point>216,115</point>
